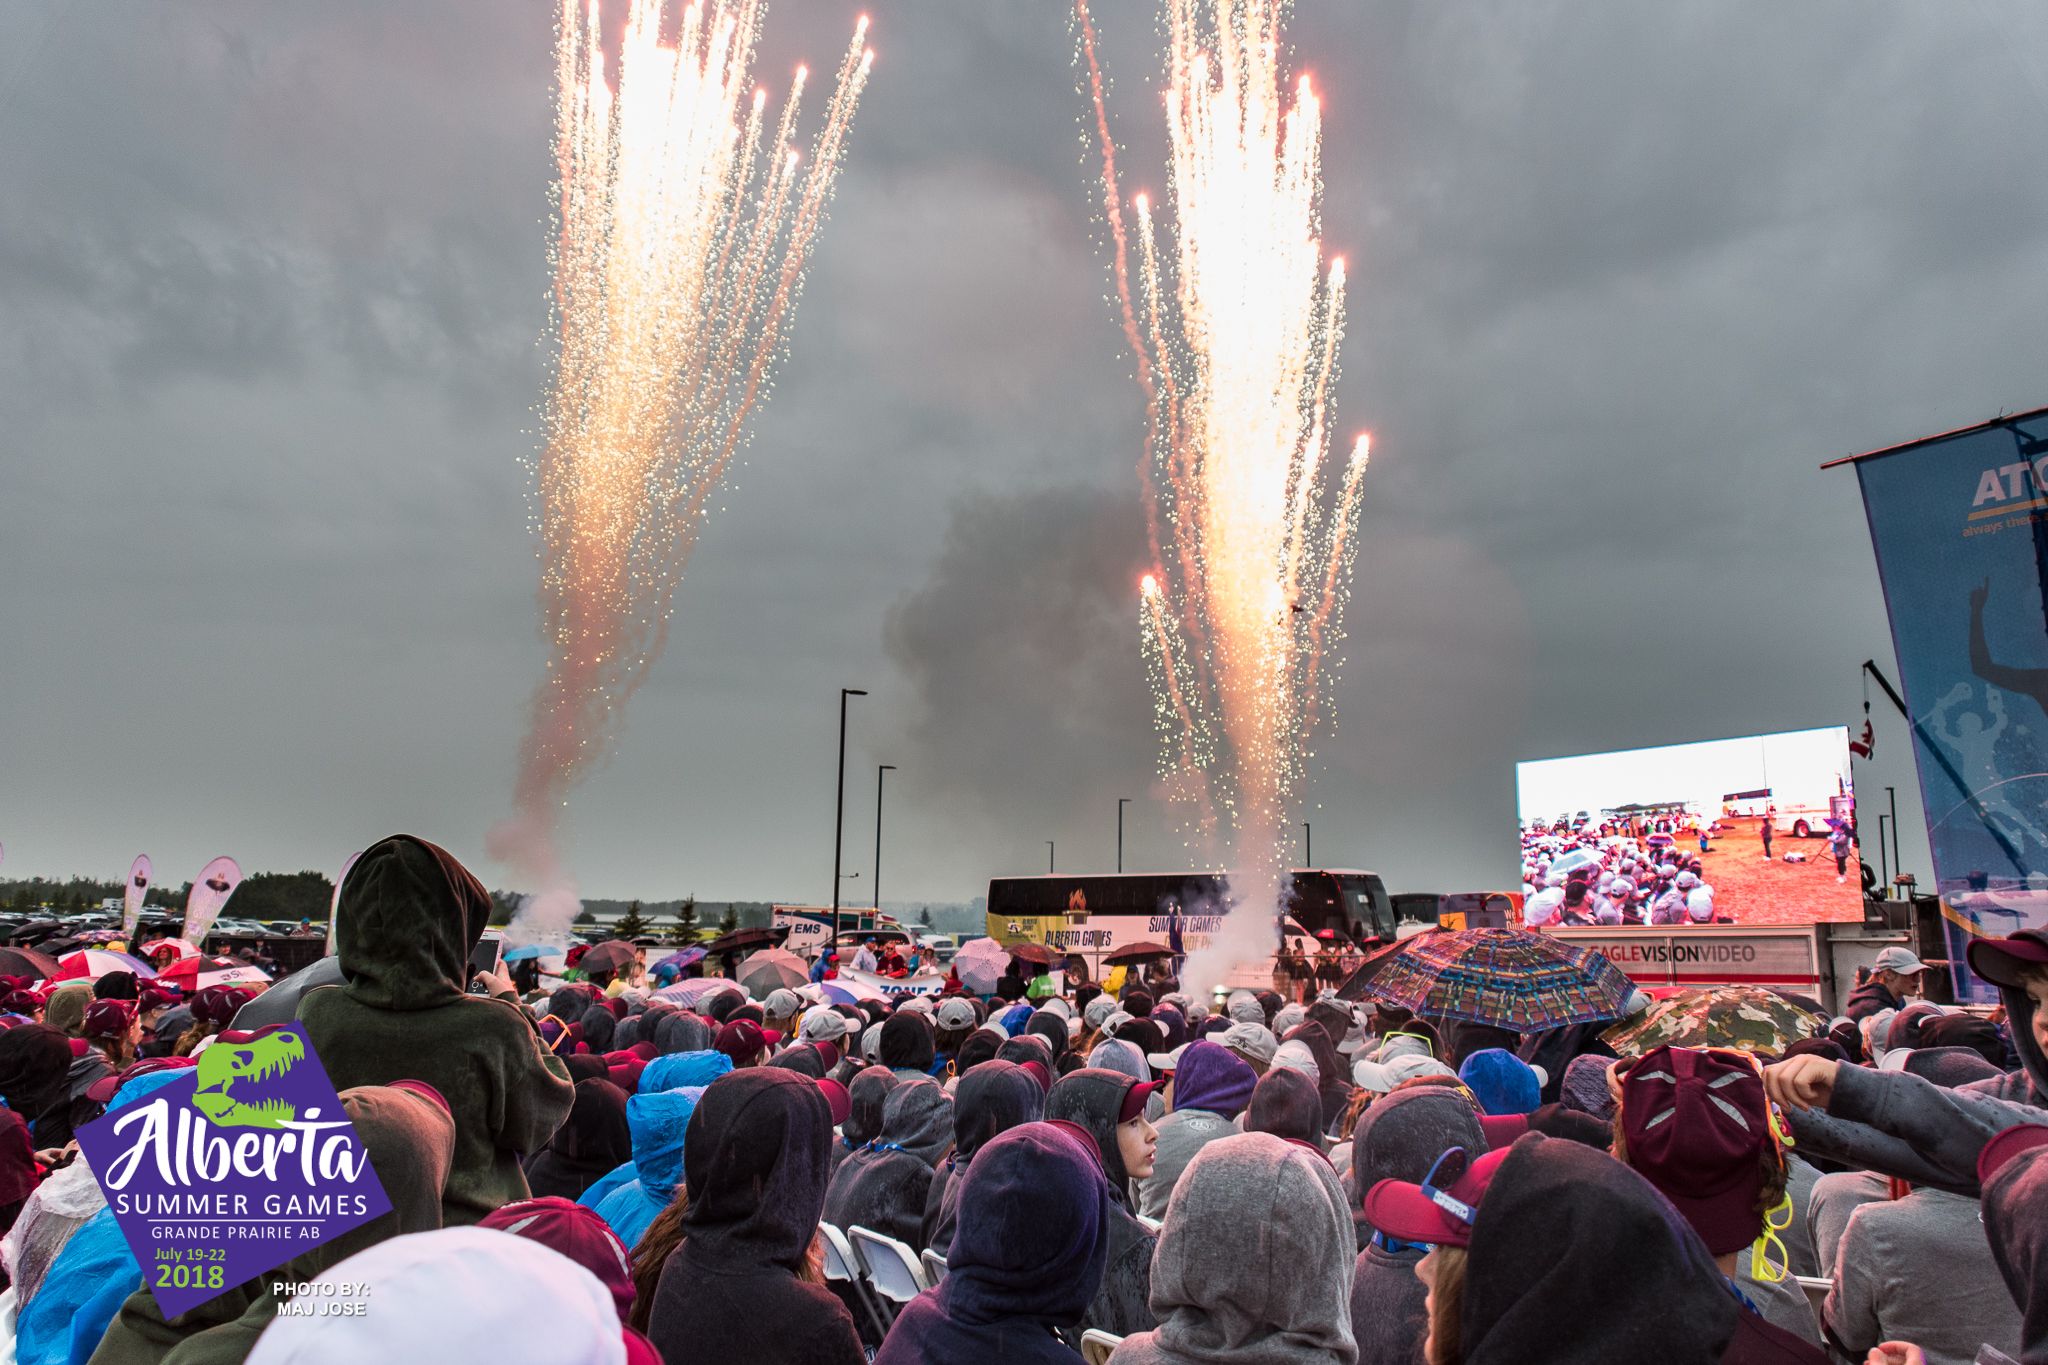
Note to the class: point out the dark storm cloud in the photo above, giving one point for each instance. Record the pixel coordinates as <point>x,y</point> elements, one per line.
<point>272,278</point>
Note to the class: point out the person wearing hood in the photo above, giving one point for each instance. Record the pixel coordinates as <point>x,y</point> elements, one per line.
<point>434,1295</point>
<point>743,1286</point>
<point>907,1046</point>
<point>1903,1125</point>
<point>659,1122</point>
<point>595,1139</point>
<point>406,918</point>
<point>1210,1089</point>
<point>990,1099</point>
<point>1110,1107</point>
<point>883,1187</point>
<point>65,1010</point>
<point>1285,1104</point>
<point>410,1139</point>
<point>2013,1171</point>
<point>1254,1261</point>
<point>1400,1138</point>
<point>1027,1256</point>
<point>868,1093</point>
<point>36,1081</point>
<point>1333,1078</point>
<point>1550,1251</point>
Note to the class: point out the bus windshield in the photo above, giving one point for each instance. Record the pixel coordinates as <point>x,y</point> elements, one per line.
<point>1367,904</point>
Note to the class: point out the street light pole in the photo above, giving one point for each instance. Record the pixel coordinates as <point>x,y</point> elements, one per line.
<point>1884,877</point>
<point>839,812</point>
<point>1308,845</point>
<point>1049,868</point>
<point>1898,868</point>
<point>884,768</point>
<point>1121,802</point>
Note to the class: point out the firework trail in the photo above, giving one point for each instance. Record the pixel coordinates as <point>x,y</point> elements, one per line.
<point>1236,323</point>
<point>684,224</point>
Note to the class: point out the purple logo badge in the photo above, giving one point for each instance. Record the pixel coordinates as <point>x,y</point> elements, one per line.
<point>232,1169</point>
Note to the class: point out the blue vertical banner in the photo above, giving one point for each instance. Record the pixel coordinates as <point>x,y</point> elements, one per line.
<point>1960,526</point>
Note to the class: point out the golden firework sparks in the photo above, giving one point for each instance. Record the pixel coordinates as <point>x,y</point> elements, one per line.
<point>683,226</point>
<point>1236,322</point>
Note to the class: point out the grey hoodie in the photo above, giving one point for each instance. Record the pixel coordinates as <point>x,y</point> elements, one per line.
<point>2016,1225</point>
<point>1254,1263</point>
<point>1908,1127</point>
<point>883,1187</point>
<point>1182,1133</point>
<point>1919,1269</point>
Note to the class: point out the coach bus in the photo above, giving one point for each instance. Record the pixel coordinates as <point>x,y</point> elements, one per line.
<point>1091,916</point>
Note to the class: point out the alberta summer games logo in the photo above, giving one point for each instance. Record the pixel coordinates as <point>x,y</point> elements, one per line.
<point>232,1169</point>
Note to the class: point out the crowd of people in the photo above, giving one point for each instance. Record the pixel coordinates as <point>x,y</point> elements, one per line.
<point>593,1173</point>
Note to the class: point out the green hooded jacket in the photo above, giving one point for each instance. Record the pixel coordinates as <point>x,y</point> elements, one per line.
<point>408,916</point>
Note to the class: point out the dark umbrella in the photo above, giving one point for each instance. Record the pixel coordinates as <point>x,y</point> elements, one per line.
<point>1033,952</point>
<point>608,956</point>
<point>1144,951</point>
<point>740,940</point>
<point>35,929</point>
<point>280,1003</point>
<point>27,962</point>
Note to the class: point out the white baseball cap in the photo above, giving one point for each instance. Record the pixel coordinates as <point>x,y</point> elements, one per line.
<point>956,1013</point>
<point>1900,960</point>
<point>822,1024</point>
<point>1165,1063</point>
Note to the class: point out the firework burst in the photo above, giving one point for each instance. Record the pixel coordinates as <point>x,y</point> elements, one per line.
<point>684,221</point>
<point>1235,320</point>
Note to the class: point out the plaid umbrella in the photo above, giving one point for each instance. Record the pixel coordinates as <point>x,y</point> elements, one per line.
<point>1746,1017</point>
<point>1507,977</point>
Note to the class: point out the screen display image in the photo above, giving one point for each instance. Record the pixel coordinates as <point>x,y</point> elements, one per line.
<point>1757,830</point>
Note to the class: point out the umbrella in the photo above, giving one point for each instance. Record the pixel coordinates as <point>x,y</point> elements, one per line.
<point>102,936</point>
<point>1033,952</point>
<point>197,973</point>
<point>1578,857</point>
<point>1746,1017</point>
<point>688,957</point>
<point>608,956</point>
<point>1510,978</point>
<point>176,947</point>
<point>94,963</point>
<point>695,991</point>
<point>980,962</point>
<point>27,962</point>
<point>527,950</point>
<point>740,939</point>
<point>772,968</point>
<point>1143,951</point>
<point>280,1004</point>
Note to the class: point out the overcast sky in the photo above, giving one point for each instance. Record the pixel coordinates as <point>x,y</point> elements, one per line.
<point>1622,277</point>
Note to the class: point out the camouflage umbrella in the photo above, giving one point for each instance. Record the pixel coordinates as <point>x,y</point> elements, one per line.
<point>1746,1017</point>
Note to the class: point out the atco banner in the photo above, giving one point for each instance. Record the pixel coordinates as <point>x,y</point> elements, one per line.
<point>1960,526</point>
<point>139,873</point>
<point>217,881</point>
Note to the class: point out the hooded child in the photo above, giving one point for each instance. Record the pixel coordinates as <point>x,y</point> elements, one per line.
<point>1110,1107</point>
<point>406,919</point>
<point>1027,1255</point>
<point>743,1285</point>
<point>594,1139</point>
<point>883,1187</point>
<point>1210,1090</point>
<point>1254,1261</point>
<point>992,1098</point>
<point>869,1092</point>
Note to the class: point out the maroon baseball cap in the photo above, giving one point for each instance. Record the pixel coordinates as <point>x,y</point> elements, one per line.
<point>2005,1146</point>
<point>835,1095</point>
<point>1502,1129</point>
<point>1432,1212</point>
<point>578,1233</point>
<point>1134,1100</point>
<point>2000,960</point>
<point>1039,1074</point>
<point>108,1018</point>
<point>743,1040</point>
<point>1695,1123</point>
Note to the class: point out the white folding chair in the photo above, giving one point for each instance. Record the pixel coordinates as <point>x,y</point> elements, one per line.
<point>1097,1344</point>
<point>1816,1298</point>
<point>934,1267</point>
<point>843,1264</point>
<point>892,1267</point>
